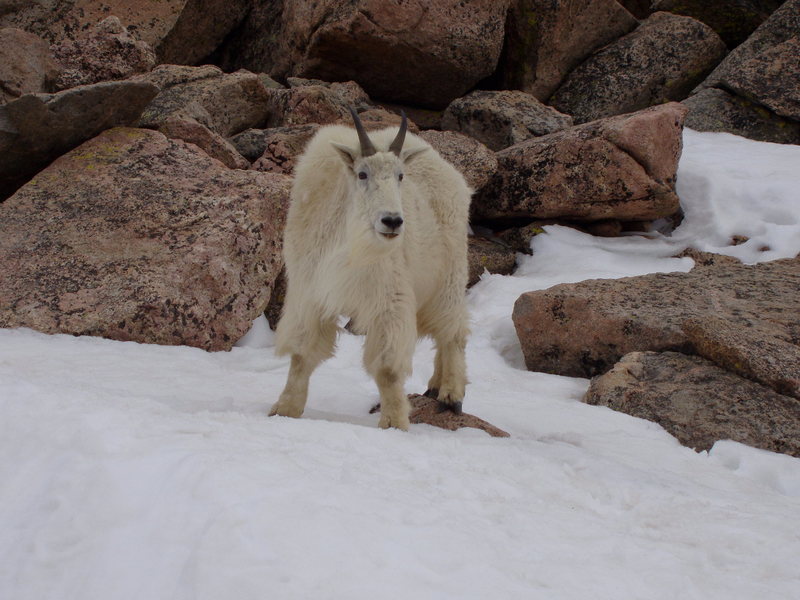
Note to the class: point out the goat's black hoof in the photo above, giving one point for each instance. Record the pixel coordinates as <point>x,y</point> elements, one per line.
<point>431,393</point>
<point>376,408</point>
<point>455,407</point>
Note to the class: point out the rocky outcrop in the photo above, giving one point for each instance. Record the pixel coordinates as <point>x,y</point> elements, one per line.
<point>133,236</point>
<point>281,146</point>
<point>444,48</point>
<point>37,128</point>
<point>26,65</point>
<point>662,60</point>
<point>713,109</point>
<point>106,52</point>
<point>180,31</point>
<point>489,254</point>
<point>698,402</point>
<point>503,118</point>
<point>545,40</point>
<point>622,168</point>
<point>733,20</point>
<point>582,329</point>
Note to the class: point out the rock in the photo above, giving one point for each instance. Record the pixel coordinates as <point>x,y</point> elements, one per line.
<point>216,146</point>
<point>782,25</point>
<point>167,76</point>
<point>638,8</point>
<point>503,118</point>
<point>751,350</point>
<point>107,52</point>
<point>306,104</point>
<point>489,254</point>
<point>618,168</point>
<point>349,92</point>
<point>426,410</point>
<point>547,39</point>
<point>582,329</point>
<point>662,60</point>
<point>26,65</point>
<point>713,109</point>
<point>425,118</point>
<point>379,118</point>
<point>770,78</point>
<point>227,103</point>
<point>180,31</point>
<point>474,160</point>
<point>699,403</point>
<point>733,20</point>
<point>282,146</point>
<point>444,47</point>
<point>36,128</point>
<point>133,236</point>
<point>276,300</point>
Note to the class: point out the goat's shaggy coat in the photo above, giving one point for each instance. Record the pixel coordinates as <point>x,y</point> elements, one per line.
<point>380,238</point>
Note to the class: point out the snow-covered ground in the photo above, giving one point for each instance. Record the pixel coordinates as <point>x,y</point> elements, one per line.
<point>130,471</point>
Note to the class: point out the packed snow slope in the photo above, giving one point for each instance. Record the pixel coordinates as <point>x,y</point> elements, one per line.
<point>130,471</point>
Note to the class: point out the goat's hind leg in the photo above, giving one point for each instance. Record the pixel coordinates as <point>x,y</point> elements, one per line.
<point>314,345</point>
<point>449,380</point>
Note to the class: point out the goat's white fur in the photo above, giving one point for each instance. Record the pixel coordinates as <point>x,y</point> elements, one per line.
<point>394,289</point>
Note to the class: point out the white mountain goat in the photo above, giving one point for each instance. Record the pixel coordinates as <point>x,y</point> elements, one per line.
<point>377,232</point>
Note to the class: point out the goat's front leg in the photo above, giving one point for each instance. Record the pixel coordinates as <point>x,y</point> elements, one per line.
<point>388,352</point>
<point>292,401</point>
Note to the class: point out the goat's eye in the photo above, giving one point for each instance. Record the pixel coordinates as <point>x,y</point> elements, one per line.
<point>400,177</point>
<point>362,174</point>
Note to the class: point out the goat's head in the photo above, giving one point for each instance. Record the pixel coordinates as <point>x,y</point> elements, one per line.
<point>378,179</point>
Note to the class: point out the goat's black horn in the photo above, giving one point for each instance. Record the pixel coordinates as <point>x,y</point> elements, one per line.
<point>397,144</point>
<point>367,149</point>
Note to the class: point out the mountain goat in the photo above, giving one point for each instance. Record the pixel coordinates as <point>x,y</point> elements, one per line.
<point>377,232</point>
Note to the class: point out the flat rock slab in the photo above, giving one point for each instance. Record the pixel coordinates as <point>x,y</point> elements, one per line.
<point>582,329</point>
<point>698,402</point>
<point>133,236</point>
<point>426,410</point>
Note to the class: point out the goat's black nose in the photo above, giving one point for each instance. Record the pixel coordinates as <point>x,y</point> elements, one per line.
<point>393,221</point>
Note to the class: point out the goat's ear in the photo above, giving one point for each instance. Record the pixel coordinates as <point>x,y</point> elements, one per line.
<point>407,156</point>
<point>348,154</point>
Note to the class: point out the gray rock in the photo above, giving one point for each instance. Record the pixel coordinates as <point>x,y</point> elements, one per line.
<point>492,255</point>
<point>282,147</point>
<point>662,60</point>
<point>546,39</point>
<point>582,329</point>
<point>501,119</point>
<point>133,236</point>
<point>619,168</point>
<point>36,128</point>
<point>699,403</point>
<point>713,109</point>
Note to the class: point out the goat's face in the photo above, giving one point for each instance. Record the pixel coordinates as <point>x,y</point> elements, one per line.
<point>378,181</point>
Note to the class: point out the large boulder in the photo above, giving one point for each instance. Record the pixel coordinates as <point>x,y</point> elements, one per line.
<point>180,31</point>
<point>582,329</point>
<point>733,20</point>
<point>133,236</point>
<point>415,52</point>
<point>713,109</point>
<point>698,402</point>
<point>546,39</point>
<point>106,52</point>
<point>782,25</point>
<point>771,78</point>
<point>662,60</point>
<point>26,65</point>
<point>503,118</point>
<point>36,128</point>
<point>226,103</point>
<point>618,168</point>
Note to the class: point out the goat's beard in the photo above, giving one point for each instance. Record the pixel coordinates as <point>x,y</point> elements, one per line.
<point>367,246</point>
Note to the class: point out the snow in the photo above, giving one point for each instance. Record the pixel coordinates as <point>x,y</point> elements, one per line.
<point>138,471</point>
